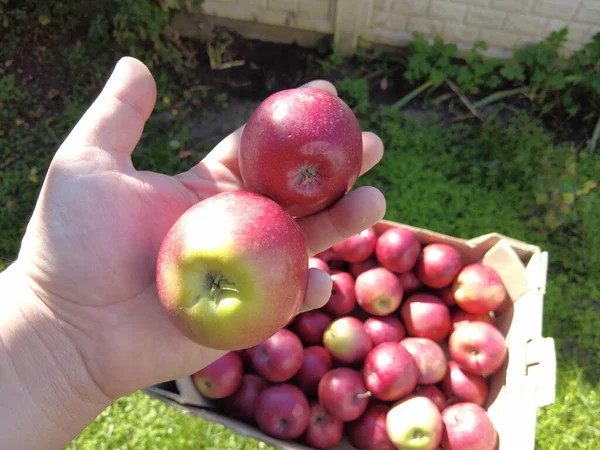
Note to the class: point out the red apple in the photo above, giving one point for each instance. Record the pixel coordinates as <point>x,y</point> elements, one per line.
<point>318,263</point>
<point>464,386</point>
<point>432,393</point>
<point>397,249</point>
<point>478,289</point>
<point>478,347</point>
<point>429,357</point>
<point>357,268</point>
<point>390,372</point>
<point>317,362</point>
<point>438,265</point>
<point>447,295</point>
<point>216,279</point>
<point>467,426</point>
<point>357,247</point>
<point>384,329</point>
<point>346,340</point>
<point>459,317</point>
<point>368,432</point>
<point>378,291</point>
<point>327,255</point>
<point>302,148</point>
<point>410,282</point>
<point>425,315</point>
<point>278,358</point>
<point>343,394</point>
<point>309,326</point>
<point>242,404</point>
<point>343,298</point>
<point>221,378</point>
<point>324,430</point>
<point>282,411</point>
<point>415,424</point>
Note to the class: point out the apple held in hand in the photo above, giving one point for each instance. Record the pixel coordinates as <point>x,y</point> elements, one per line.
<point>368,432</point>
<point>324,430</point>
<point>232,270</point>
<point>378,291</point>
<point>283,411</point>
<point>415,424</point>
<point>478,289</point>
<point>343,394</point>
<point>478,347</point>
<point>302,148</point>
<point>390,372</point>
<point>397,249</point>
<point>278,358</point>
<point>438,265</point>
<point>429,358</point>
<point>467,426</point>
<point>221,378</point>
<point>347,341</point>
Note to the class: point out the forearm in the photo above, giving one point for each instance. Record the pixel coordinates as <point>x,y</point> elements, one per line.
<point>46,394</point>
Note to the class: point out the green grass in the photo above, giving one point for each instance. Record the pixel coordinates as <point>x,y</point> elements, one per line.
<point>463,179</point>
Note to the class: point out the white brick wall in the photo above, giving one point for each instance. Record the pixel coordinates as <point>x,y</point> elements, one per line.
<point>504,24</point>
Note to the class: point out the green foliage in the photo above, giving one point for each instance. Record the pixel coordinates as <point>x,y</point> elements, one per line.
<point>431,61</point>
<point>355,92</point>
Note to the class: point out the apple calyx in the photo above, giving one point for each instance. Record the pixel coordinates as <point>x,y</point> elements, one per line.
<point>217,285</point>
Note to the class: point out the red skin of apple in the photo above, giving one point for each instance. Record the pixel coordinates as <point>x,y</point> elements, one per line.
<point>478,348</point>
<point>368,432</point>
<point>347,341</point>
<point>425,315</point>
<point>318,263</point>
<point>464,386</point>
<point>478,289</point>
<point>302,148</point>
<point>429,357</point>
<point>324,430</point>
<point>467,426</point>
<point>310,326</point>
<point>278,358</point>
<point>410,282</point>
<point>384,329</point>
<point>357,247</point>
<point>283,411</point>
<point>221,378</point>
<point>261,252</point>
<point>438,265</point>
<point>378,291</point>
<point>343,394</point>
<point>397,249</point>
<point>459,317</point>
<point>343,298</point>
<point>242,404</point>
<point>327,255</point>
<point>433,393</point>
<point>356,269</point>
<point>390,372</point>
<point>447,295</point>
<point>317,362</point>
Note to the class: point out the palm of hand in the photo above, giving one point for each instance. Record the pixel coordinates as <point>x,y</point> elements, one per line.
<point>90,248</point>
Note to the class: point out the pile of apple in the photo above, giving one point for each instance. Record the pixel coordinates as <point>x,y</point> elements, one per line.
<point>399,357</point>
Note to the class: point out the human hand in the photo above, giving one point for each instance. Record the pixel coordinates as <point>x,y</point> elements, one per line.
<point>89,252</point>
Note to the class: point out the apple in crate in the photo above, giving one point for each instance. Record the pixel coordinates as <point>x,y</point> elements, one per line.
<point>318,263</point>
<point>467,426</point>
<point>478,289</point>
<point>438,265</point>
<point>429,358</point>
<point>397,249</point>
<point>242,404</point>
<point>343,298</point>
<point>309,326</point>
<point>221,378</point>
<point>460,317</point>
<point>343,394</point>
<point>478,347</point>
<point>425,315</point>
<point>232,270</point>
<point>410,282</point>
<point>384,329</point>
<point>317,362</point>
<point>346,340</point>
<point>433,393</point>
<point>283,411</point>
<point>464,386</point>
<point>415,424</point>
<point>390,372</point>
<point>368,432</point>
<point>378,291</point>
<point>302,148</point>
<point>324,430</point>
<point>357,247</point>
<point>356,269</point>
<point>278,358</point>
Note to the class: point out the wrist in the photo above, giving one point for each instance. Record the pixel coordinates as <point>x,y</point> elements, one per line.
<point>46,393</point>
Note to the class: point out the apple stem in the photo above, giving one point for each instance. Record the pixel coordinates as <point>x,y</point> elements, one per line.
<point>364,395</point>
<point>219,284</point>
